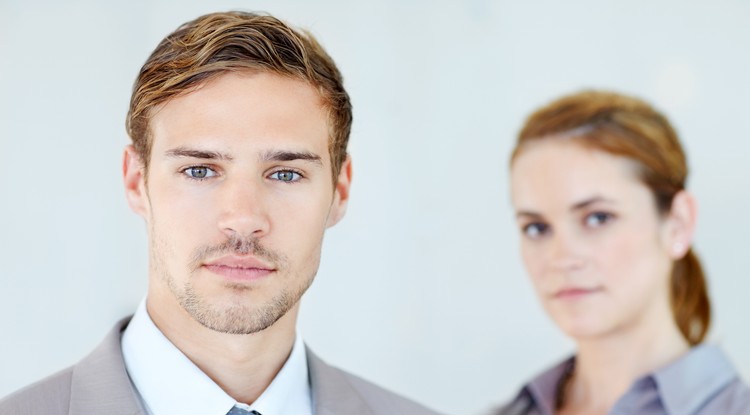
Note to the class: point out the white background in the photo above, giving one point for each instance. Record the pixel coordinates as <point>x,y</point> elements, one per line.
<point>421,288</point>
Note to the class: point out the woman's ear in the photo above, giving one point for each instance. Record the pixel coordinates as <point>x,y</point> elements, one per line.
<point>680,226</point>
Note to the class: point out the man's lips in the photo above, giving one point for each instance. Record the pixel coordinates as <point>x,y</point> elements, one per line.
<point>239,268</point>
<point>574,293</point>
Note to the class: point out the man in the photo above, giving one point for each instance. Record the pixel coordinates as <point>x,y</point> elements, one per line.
<point>238,165</point>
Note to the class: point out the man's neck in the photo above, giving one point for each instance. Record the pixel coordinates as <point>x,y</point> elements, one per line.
<point>242,365</point>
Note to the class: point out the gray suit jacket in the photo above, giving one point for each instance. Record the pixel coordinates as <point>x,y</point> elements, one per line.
<point>99,384</point>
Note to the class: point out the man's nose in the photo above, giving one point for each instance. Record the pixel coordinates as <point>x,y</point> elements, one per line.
<point>244,208</point>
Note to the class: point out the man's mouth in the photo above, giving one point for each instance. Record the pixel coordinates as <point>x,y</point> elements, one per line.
<point>240,268</point>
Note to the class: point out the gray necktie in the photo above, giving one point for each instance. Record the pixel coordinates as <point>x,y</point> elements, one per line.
<point>239,411</point>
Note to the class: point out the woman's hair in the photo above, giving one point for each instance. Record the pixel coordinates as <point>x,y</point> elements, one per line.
<point>628,127</point>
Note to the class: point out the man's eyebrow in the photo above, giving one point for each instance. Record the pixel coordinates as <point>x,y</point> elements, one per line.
<point>281,155</point>
<point>198,154</point>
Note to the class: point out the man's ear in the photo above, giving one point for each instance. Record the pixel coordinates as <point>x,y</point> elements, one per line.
<point>133,174</point>
<point>681,222</point>
<point>341,193</point>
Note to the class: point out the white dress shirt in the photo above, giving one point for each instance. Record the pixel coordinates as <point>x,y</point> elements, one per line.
<point>169,383</point>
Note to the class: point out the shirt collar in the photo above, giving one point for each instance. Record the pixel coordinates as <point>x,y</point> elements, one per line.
<point>543,388</point>
<point>683,385</point>
<point>169,383</point>
<point>693,379</point>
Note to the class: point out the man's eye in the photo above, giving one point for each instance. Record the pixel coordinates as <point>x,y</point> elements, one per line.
<point>535,230</point>
<point>199,172</point>
<point>597,219</point>
<point>286,176</point>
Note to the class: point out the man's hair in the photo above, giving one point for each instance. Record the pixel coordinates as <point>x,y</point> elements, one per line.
<point>217,43</point>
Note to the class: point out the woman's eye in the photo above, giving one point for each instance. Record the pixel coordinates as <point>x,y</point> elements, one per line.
<point>597,219</point>
<point>286,176</point>
<point>535,230</point>
<point>199,172</point>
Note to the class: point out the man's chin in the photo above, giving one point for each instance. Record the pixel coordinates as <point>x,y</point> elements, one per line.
<point>238,319</point>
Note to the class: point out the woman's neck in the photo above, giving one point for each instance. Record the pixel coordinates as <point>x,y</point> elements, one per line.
<point>607,366</point>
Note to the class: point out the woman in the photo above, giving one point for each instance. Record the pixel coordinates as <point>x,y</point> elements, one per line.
<point>598,186</point>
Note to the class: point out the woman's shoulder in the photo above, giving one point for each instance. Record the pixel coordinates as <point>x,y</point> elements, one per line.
<point>703,382</point>
<point>520,405</point>
<point>733,399</point>
<point>538,396</point>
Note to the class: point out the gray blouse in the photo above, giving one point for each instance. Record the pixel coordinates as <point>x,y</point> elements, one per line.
<point>702,382</point>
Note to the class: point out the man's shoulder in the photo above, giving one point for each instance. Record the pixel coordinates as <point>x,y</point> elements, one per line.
<point>80,389</point>
<point>47,396</point>
<point>382,397</point>
<point>338,391</point>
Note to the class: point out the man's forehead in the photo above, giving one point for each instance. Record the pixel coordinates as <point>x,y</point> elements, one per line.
<point>265,108</point>
<point>259,77</point>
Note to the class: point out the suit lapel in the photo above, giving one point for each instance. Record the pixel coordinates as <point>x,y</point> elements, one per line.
<point>332,392</point>
<point>100,383</point>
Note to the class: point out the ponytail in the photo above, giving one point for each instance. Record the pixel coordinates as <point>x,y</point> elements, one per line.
<point>690,304</point>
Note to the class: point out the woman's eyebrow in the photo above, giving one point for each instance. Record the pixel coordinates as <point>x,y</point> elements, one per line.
<point>590,201</point>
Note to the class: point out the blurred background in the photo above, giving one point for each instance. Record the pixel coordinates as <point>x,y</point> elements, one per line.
<point>421,288</point>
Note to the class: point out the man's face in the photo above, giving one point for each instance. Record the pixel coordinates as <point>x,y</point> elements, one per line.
<point>238,196</point>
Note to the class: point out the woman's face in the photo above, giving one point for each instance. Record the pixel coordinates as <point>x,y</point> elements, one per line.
<point>595,246</point>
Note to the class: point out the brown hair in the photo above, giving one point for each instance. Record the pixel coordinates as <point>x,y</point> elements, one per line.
<point>217,43</point>
<point>628,127</point>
